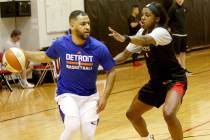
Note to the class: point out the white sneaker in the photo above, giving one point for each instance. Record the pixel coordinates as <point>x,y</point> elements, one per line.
<point>188,73</point>
<point>26,84</point>
<point>29,85</point>
<point>151,137</point>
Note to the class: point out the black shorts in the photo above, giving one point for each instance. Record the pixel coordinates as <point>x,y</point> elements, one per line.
<point>154,93</point>
<point>180,44</point>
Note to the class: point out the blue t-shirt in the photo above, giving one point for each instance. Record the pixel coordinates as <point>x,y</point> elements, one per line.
<point>79,64</point>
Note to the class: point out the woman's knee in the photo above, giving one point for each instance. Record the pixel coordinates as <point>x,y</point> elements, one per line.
<point>132,115</point>
<point>128,115</point>
<point>168,113</point>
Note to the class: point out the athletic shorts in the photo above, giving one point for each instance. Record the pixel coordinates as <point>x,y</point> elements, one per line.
<point>180,44</point>
<point>154,93</point>
<point>82,107</point>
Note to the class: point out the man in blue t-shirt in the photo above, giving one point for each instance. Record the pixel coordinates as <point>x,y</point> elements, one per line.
<point>77,97</point>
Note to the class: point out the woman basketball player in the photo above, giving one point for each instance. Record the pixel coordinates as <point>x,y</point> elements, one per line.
<point>168,82</point>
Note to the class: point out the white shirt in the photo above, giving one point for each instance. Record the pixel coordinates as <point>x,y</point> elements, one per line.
<point>10,44</point>
<point>161,36</point>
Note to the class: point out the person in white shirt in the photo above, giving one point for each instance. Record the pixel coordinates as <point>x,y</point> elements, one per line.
<point>167,84</point>
<point>14,41</point>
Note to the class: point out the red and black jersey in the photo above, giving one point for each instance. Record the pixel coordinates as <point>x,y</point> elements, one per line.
<point>160,58</point>
<point>162,63</point>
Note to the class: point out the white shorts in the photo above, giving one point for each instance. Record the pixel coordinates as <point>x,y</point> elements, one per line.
<point>83,107</point>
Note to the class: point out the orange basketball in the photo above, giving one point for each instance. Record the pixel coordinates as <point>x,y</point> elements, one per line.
<point>14,60</point>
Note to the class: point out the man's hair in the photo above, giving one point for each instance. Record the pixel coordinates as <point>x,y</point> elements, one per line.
<point>15,33</point>
<point>76,13</point>
<point>134,6</point>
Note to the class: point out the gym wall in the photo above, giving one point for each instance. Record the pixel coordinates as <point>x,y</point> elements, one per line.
<point>114,13</point>
<point>198,22</point>
<point>34,27</point>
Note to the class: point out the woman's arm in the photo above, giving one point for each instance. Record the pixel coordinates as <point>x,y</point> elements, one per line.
<point>137,40</point>
<point>121,57</point>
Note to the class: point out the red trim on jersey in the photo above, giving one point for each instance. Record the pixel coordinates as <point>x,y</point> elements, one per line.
<point>179,88</point>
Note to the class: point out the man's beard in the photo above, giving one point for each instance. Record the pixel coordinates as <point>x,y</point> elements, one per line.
<point>82,36</point>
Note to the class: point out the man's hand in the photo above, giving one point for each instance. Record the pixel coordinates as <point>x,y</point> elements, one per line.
<point>101,103</point>
<point>116,35</point>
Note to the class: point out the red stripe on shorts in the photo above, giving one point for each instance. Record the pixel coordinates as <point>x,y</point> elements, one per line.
<point>179,88</point>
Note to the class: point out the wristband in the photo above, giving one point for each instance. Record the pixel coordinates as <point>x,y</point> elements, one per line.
<point>127,39</point>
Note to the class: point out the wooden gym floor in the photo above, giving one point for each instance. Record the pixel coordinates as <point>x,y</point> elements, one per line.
<point>31,114</point>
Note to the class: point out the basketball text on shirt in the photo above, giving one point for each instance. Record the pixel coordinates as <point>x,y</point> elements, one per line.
<point>78,61</point>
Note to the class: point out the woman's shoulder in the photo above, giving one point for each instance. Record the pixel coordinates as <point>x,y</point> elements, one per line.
<point>162,30</point>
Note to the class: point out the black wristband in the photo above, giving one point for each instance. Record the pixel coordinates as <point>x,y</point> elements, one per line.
<point>127,39</point>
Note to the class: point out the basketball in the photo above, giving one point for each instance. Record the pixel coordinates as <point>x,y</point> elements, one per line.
<point>14,60</point>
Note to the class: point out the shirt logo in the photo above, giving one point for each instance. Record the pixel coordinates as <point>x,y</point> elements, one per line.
<point>78,52</point>
<point>146,48</point>
<point>79,61</point>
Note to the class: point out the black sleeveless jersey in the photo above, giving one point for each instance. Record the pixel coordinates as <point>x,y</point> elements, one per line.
<point>162,63</point>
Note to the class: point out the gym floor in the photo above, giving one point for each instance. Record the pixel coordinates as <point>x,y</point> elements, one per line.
<point>31,114</point>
